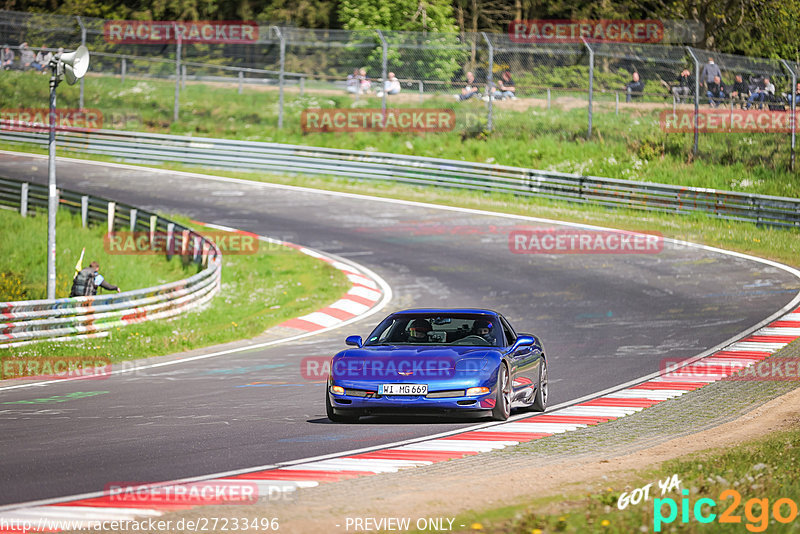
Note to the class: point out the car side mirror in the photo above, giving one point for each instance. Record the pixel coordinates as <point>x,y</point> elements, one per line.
<point>354,341</point>
<point>524,341</point>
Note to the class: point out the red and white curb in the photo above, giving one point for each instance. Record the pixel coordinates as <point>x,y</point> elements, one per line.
<point>365,293</point>
<point>86,511</point>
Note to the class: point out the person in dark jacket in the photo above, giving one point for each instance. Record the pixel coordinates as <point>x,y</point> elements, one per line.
<point>685,86</point>
<point>635,87</point>
<point>716,92</point>
<point>88,280</point>
<point>740,91</point>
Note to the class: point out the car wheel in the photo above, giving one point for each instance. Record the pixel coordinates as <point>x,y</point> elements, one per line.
<point>336,417</point>
<point>502,402</point>
<point>540,400</point>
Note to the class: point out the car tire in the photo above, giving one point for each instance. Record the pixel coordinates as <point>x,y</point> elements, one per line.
<point>502,401</point>
<point>542,389</point>
<point>338,417</point>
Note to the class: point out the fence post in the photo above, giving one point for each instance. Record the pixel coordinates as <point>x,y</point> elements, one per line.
<point>384,68</point>
<point>241,80</point>
<point>490,109</point>
<point>124,68</point>
<point>23,200</point>
<point>280,76</point>
<point>421,91</point>
<point>84,211</point>
<point>696,99</point>
<point>134,213</point>
<point>548,99</point>
<point>83,43</point>
<point>112,208</point>
<point>591,85</point>
<point>170,240</point>
<point>176,106</point>
<point>793,110</point>
<point>302,85</point>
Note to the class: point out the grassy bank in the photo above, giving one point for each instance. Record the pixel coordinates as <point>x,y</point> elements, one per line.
<point>630,145</point>
<point>258,291</point>
<point>760,472</point>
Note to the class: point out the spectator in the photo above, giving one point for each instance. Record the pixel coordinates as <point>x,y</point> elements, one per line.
<point>710,70</point>
<point>788,97</point>
<point>635,87</point>
<point>6,58</point>
<point>469,89</point>
<point>88,280</point>
<point>740,91</point>
<point>26,57</point>
<point>43,58</point>
<point>353,83</point>
<point>365,84</point>
<point>505,86</point>
<point>392,85</point>
<point>762,93</point>
<point>716,92</point>
<point>685,86</point>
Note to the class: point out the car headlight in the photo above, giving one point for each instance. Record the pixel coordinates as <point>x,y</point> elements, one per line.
<point>337,390</point>
<point>477,391</point>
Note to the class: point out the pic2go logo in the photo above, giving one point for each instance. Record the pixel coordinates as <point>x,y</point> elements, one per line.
<point>756,511</point>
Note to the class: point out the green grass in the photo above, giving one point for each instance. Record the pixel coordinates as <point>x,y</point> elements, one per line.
<point>258,291</point>
<point>761,469</point>
<point>23,258</point>
<point>629,145</point>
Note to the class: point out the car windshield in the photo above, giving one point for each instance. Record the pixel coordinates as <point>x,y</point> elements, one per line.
<point>433,329</point>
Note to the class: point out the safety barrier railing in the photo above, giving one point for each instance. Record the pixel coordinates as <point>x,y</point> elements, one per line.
<point>152,148</point>
<point>61,319</point>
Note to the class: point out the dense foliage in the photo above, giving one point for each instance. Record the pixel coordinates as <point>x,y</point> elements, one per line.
<point>767,28</point>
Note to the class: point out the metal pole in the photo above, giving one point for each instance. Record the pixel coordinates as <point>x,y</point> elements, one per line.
<point>696,100</point>
<point>490,108</point>
<point>241,78</point>
<point>83,43</point>
<point>421,91</point>
<point>384,68</point>
<point>176,106</point>
<point>124,68</point>
<point>52,200</point>
<point>280,77</point>
<point>793,109</point>
<point>591,85</point>
<point>23,200</point>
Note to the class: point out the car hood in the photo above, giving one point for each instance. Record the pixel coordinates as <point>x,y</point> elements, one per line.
<point>399,362</point>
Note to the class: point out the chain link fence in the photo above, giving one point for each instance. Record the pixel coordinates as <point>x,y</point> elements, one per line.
<point>569,91</point>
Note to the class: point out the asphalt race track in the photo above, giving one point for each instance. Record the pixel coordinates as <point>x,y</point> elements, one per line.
<point>604,319</point>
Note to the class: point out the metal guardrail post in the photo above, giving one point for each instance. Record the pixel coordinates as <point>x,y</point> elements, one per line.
<point>170,239</point>
<point>793,110</point>
<point>112,208</point>
<point>176,106</point>
<point>280,76</point>
<point>52,200</point>
<point>489,86</point>
<point>123,68</point>
<point>23,200</point>
<point>591,85</point>
<point>696,99</point>
<point>84,211</point>
<point>241,81</point>
<point>384,69</point>
<point>134,213</point>
<point>83,43</point>
<point>548,99</point>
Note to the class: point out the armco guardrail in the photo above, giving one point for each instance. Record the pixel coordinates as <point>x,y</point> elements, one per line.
<point>67,318</point>
<point>293,159</point>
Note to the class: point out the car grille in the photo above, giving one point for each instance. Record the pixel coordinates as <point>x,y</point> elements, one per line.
<point>445,394</point>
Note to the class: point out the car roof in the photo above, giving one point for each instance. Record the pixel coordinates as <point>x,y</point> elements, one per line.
<point>446,311</point>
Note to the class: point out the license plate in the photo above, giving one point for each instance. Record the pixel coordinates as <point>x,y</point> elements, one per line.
<point>403,389</point>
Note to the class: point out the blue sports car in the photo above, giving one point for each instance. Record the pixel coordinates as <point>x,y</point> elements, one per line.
<point>440,361</point>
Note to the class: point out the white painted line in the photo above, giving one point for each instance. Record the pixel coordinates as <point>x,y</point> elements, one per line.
<point>267,486</point>
<point>758,346</point>
<point>599,411</point>
<point>456,445</point>
<point>364,281</point>
<point>791,317</point>
<point>652,394</point>
<point>533,428</point>
<point>364,292</point>
<point>342,468</point>
<point>778,331</point>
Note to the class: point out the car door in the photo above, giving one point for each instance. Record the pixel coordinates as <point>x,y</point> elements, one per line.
<point>525,363</point>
